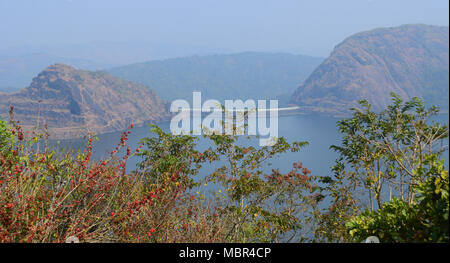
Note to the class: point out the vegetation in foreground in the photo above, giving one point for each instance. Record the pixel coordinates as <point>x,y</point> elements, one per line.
<point>390,181</point>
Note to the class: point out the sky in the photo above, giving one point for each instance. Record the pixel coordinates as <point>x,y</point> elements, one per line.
<point>189,26</point>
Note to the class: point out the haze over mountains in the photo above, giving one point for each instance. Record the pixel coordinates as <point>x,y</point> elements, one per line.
<point>248,75</point>
<point>411,60</point>
<point>19,64</point>
<point>72,102</point>
<point>100,52</point>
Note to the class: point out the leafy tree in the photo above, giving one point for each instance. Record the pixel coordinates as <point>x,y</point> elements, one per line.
<point>425,220</point>
<point>379,159</point>
<point>258,206</point>
<point>383,150</point>
<point>165,154</point>
<point>252,206</point>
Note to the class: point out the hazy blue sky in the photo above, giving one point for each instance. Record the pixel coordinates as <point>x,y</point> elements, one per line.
<point>308,27</point>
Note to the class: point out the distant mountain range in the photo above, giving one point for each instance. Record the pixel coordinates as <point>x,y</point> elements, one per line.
<point>245,75</point>
<point>114,54</point>
<point>72,102</point>
<point>411,60</point>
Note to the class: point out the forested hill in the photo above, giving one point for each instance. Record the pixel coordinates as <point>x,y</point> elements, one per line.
<point>72,102</point>
<point>245,75</point>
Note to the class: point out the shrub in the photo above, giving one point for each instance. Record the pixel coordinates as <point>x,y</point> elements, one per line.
<point>47,196</point>
<point>426,220</point>
<point>380,166</point>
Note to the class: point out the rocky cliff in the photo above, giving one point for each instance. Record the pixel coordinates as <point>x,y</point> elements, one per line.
<point>73,102</point>
<point>410,60</point>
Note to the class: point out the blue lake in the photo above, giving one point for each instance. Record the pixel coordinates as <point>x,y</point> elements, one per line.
<point>320,132</point>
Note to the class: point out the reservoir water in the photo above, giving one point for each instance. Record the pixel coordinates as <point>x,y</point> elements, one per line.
<point>319,131</point>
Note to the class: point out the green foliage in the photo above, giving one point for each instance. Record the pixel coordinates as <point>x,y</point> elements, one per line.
<point>396,221</point>
<point>262,207</point>
<point>381,159</point>
<point>433,200</point>
<point>166,153</point>
<point>252,206</point>
<point>46,196</point>
<point>426,220</point>
<point>383,149</point>
<point>6,138</point>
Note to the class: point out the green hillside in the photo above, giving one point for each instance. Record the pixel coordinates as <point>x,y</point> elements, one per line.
<point>237,76</point>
